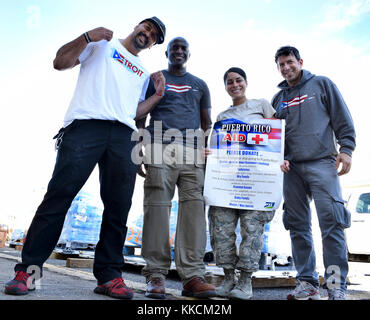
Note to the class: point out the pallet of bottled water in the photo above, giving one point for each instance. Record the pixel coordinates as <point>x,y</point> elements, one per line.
<point>82,224</point>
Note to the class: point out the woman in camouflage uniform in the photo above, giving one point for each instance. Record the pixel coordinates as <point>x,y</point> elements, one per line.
<point>223,221</point>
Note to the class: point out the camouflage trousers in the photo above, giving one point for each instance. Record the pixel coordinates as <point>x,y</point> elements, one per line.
<point>222,228</point>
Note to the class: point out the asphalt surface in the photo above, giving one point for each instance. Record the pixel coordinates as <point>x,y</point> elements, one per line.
<point>62,283</point>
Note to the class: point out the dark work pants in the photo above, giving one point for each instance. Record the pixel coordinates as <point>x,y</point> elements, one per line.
<point>85,144</point>
<point>317,179</point>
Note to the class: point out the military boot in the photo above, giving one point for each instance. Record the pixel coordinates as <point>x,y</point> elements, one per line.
<point>243,289</point>
<point>227,284</point>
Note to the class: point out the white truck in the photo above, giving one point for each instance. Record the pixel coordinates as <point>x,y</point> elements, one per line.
<point>358,235</point>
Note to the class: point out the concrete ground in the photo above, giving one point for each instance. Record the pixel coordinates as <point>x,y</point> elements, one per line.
<point>62,283</point>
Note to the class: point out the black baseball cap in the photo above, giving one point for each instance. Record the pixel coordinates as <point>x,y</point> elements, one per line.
<point>160,27</point>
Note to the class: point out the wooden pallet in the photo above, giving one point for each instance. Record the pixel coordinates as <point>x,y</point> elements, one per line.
<point>260,279</point>
<point>79,263</point>
<point>214,275</point>
<point>74,259</point>
<point>257,282</point>
<point>358,257</point>
<point>16,245</point>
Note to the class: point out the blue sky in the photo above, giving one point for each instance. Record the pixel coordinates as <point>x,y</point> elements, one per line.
<point>332,36</point>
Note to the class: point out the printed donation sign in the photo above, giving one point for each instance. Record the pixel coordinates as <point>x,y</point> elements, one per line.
<point>243,169</point>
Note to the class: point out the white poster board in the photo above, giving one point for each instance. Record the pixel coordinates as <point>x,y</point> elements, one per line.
<point>243,169</point>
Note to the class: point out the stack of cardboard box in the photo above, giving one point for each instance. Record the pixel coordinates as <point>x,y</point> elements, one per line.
<point>3,234</point>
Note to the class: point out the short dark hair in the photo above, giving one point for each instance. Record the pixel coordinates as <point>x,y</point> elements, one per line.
<point>286,51</point>
<point>236,70</point>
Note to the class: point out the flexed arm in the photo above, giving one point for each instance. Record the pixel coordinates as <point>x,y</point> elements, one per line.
<point>67,56</point>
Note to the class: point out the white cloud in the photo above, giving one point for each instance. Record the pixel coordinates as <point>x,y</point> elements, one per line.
<point>345,14</point>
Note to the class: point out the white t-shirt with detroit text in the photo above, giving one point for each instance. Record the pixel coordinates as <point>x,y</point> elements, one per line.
<point>111,84</point>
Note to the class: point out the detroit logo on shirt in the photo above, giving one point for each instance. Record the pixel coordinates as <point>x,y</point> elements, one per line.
<point>126,63</point>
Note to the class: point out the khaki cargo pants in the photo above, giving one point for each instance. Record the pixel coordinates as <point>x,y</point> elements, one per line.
<point>178,168</point>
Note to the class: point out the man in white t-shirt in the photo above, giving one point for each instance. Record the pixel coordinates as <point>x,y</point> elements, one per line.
<point>97,130</point>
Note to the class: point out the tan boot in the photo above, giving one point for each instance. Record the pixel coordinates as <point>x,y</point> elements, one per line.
<point>227,284</point>
<point>243,290</point>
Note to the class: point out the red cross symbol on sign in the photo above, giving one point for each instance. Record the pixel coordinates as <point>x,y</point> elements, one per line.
<point>257,139</point>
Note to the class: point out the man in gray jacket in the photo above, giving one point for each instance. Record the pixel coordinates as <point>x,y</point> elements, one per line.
<point>317,118</point>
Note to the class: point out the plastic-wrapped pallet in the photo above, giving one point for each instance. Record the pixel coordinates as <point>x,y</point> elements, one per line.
<point>17,235</point>
<point>81,227</point>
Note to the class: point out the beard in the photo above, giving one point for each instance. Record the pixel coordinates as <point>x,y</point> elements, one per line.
<point>139,44</point>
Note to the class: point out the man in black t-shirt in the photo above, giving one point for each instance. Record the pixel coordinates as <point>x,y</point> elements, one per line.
<point>174,157</point>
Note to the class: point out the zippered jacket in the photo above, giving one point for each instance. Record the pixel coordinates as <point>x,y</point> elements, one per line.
<point>317,119</point>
